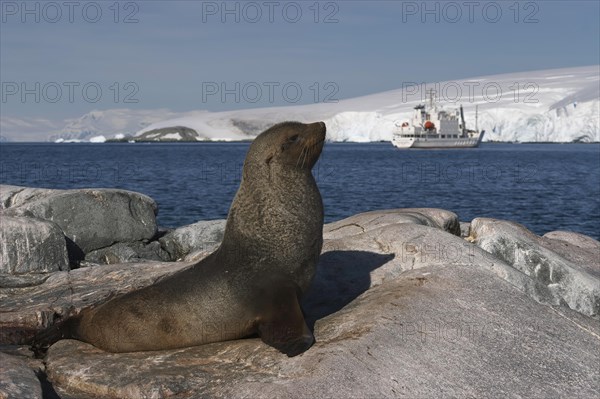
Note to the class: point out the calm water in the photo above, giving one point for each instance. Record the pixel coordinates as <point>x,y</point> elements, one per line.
<point>545,187</point>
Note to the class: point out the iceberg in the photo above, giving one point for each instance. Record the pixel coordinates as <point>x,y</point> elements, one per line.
<point>98,139</point>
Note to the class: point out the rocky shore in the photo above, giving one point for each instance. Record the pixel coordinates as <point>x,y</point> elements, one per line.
<point>405,303</point>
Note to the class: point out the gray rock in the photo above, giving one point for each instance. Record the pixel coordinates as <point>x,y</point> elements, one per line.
<point>11,196</point>
<point>364,222</point>
<point>465,229</point>
<point>29,245</point>
<point>579,250</point>
<point>128,252</point>
<point>440,331</point>
<point>92,219</point>
<point>24,312</point>
<point>404,247</point>
<point>203,236</point>
<point>400,307</point>
<point>571,274</point>
<point>198,255</point>
<point>579,240</point>
<point>17,379</point>
<point>27,357</point>
<point>21,281</point>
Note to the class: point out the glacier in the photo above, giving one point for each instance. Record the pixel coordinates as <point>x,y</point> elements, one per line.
<point>556,105</point>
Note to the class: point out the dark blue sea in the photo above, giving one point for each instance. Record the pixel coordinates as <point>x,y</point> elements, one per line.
<point>542,186</point>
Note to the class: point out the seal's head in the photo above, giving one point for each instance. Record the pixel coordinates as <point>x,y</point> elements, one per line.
<point>289,145</point>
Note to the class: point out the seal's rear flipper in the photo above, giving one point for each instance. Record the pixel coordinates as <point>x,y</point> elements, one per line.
<point>283,326</point>
<point>45,338</point>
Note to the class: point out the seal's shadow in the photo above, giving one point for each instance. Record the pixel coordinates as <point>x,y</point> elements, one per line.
<point>340,278</point>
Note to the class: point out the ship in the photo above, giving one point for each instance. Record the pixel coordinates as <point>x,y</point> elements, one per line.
<point>434,127</point>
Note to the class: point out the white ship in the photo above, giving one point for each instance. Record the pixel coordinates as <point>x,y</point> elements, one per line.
<point>433,127</point>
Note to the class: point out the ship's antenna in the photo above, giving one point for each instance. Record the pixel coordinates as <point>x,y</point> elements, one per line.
<point>476,116</point>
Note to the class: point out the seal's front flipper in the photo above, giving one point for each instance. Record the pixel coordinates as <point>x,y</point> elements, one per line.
<point>282,325</point>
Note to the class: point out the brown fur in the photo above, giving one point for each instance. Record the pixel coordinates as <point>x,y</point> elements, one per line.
<point>253,282</point>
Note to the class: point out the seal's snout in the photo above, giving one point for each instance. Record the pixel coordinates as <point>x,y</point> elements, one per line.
<point>318,129</point>
<point>323,129</point>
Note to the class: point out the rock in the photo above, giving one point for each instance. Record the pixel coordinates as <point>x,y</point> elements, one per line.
<point>401,306</point>
<point>26,356</point>
<point>11,196</point>
<point>576,248</point>
<point>579,240</point>
<point>21,281</point>
<point>17,379</point>
<point>364,222</point>
<point>204,236</point>
<point>404,247</point>
<point>92,219</point>
<point>440,331</point>
<point>570,273</point>
<point>25,312</point>
<point>197,256</point>
<point>29,245</point>
<point>129,252</point>
<point>465,229</point>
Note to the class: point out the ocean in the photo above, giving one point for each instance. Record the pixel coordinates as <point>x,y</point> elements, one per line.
<point>545,187</point>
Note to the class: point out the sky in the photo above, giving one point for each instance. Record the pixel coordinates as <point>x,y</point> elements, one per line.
<point>63,59</point>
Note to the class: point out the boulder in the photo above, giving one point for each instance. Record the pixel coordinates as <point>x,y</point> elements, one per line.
<point>401,248</point>
<point>26,311</point>
<point>401,306</point>
<point>465,229</point>
<point>91,219</point>
<point>363,222</point>
<point>30,245</point>
<point>128,252</point>
<point>11,196</point>
<point>22,280</point>
<point>570,273</point>
<point>440,331</point>
<point>17,379</point>
<point>577,248</point>
<point>576,239</point>
<point>203,236</point>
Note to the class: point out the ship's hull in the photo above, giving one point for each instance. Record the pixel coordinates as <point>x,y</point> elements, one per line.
<point>421,142</point>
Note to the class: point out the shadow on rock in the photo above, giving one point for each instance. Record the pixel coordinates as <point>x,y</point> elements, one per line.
<point>340,278</point>
<point>76,254</point>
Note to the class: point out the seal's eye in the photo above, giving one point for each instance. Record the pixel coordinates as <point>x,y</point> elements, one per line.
<point>291,140</point>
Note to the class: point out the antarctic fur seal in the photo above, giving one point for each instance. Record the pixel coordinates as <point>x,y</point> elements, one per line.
<point>253,282</point>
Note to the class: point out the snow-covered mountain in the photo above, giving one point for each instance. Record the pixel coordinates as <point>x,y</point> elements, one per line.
<point>110,123</point>
<point>559,105</point>
<point>553,105</point>
<point>96,123</point>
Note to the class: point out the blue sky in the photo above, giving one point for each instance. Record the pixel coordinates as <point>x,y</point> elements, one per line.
<point>171,50</point>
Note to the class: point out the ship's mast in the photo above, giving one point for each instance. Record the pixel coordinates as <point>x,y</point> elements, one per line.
<point>431,98</point>
<point>462,118</point>
<point>476,116</point>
